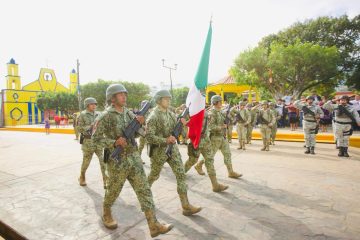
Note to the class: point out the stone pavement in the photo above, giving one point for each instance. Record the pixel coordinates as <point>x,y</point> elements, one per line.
<point>284,194</point>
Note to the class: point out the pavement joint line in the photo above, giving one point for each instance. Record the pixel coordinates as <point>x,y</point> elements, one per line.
<point>27,176</point>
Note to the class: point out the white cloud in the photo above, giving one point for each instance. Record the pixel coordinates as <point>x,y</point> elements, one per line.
<point>127,39</point>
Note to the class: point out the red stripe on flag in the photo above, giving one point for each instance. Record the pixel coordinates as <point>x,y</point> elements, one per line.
<point>195,127</point>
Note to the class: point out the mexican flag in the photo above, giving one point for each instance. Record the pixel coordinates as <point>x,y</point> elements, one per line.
<point>195,100</point>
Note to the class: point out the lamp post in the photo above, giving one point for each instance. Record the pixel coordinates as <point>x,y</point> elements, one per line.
<point>78,83</point>
<point>170,69</point>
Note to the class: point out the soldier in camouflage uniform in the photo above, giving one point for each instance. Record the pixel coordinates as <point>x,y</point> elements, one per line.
<point>252,124</point>
<point>242,118</point>
<point>343,123</point>
<point>108,133</point>
<point>75,117</point>
<point>142,139</point>
<point>274,127</point>
<point>230,126</point>
<point>160,125</point>
<point>266,120</point>
<point>310,121</point>
<point>218,139</point>
<point>205,149</point>
<point>85,124</point>
<point>184,132</point>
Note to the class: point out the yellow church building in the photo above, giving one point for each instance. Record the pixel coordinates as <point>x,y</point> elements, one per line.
<point>18,104</point>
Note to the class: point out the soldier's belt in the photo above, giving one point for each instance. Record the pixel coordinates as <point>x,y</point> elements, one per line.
<point>343,122</point>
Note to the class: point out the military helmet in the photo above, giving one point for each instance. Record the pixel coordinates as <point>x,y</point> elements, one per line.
<point>264,102</point>
<point>344,97</point>
<point>242,103</point>
<point>310,98</point>
<point>215,99</point>
<point>89,100</point>
<point>114,89</point>
<point>160,94</point>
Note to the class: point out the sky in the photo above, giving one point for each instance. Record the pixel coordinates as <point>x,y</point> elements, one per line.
<point>127,40</point>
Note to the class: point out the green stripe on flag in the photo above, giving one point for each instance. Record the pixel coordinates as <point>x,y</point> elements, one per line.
<point>201,77</point>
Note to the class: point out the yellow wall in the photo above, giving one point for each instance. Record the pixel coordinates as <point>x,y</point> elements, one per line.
<point>221,89</point>
<point>13,78</point>
<point>20,104</point>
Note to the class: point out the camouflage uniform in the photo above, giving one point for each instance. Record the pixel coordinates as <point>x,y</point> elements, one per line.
<point>252,124</point>
<point>205,149</point>
<point>242,124</point>
<point>218,140</point>
<point>265,129</point>
<point>274,127</point>
<point>85,122</point>
<point>75,125</point>
<point>343,125</point>
<point>184,132</point>
<point>142,139</point>
<point>109,127</point>
<point>160,125</point>
<point>230,127</point>
<point>310,124</point>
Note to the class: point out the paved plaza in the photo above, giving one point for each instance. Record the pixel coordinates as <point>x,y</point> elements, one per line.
<point>284,194</point>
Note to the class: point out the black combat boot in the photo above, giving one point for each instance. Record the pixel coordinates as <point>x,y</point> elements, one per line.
<point>312,150</point>
<point>341,152</point>
<point>307,150</point>
<point>345,152</point>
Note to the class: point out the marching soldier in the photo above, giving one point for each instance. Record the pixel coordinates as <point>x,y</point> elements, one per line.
<point>312,115</point>
<point>160,125</point>
<point>243,119</point>
<point>252,124</point>
<point>108,133</point>
<point>85,125</point>
<point>142,139</point>
<point>75,117</point>
<point>184,132</point>
<point>218,139</point>
<point>205,149</point>
<point>266,120</point>
<point>345,116</point>
<point>274,127</point>
<point>230,127</point>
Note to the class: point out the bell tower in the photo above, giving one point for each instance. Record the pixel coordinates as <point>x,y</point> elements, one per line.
<point>13,78</point>
<point>73,81</point>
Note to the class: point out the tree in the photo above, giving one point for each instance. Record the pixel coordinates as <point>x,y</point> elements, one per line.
<point>179,96</point>
<point>136,92</point>
<point>341,32</point>
<point>63,101</point>
<point>67,103</point>
<point>46,101</point>
<point>293,68</point>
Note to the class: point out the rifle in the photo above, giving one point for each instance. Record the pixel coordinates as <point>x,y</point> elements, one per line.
<point>262,120</point>
<point>88,133</point>
<point>176,132</point>
<point>306,110</point>
<point>238,118</point>
<point>129,132</point>
<point>343,110</point>
<point>226,121</point>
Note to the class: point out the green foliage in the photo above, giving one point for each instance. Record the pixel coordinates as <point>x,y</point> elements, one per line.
<point>179,96</point>
<point>341,32</point>
<point>295,68</point>
<point>63,101</point>
<point>136,92</point>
